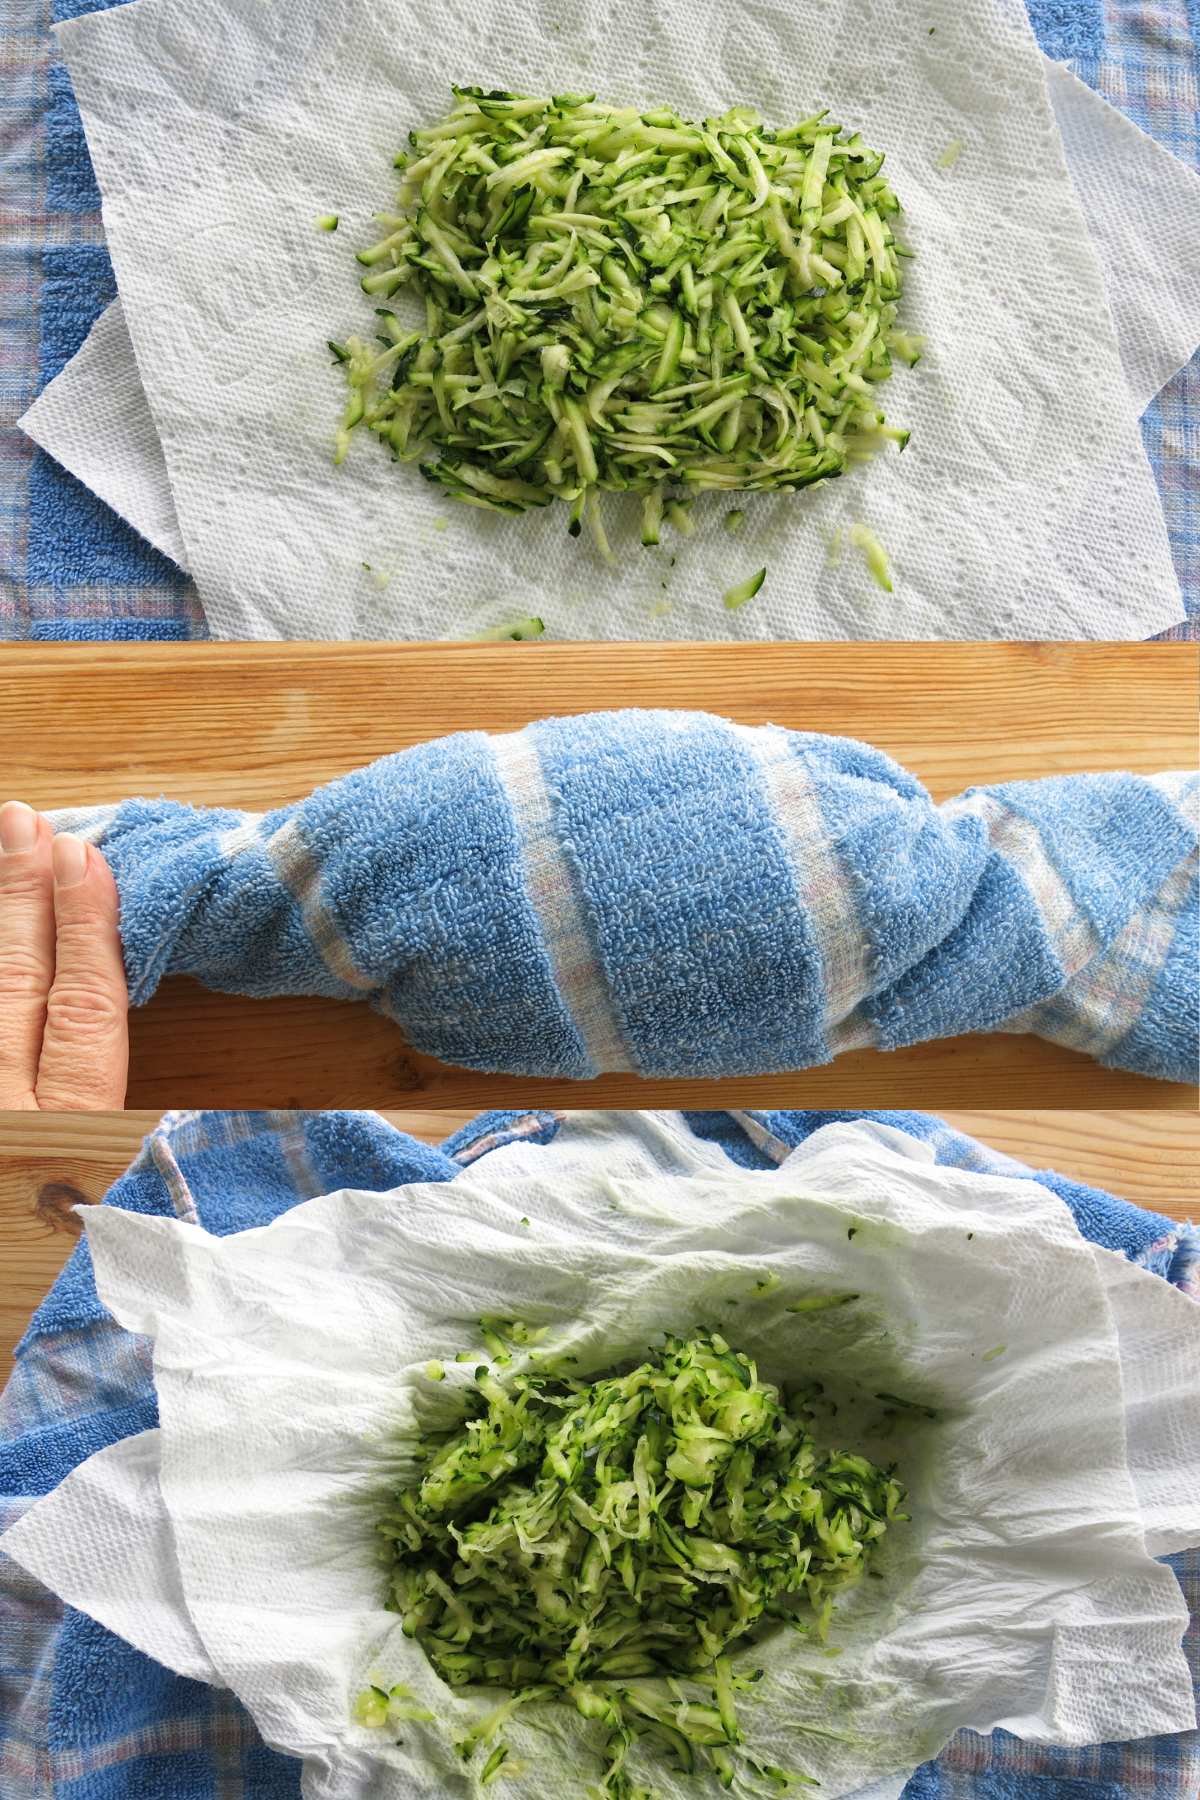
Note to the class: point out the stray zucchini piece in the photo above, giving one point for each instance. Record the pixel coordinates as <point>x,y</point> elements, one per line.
<point>435,1371</point>
<point>518,631</point>
<point>327,222</point>
<point>908,1405</point>
<point>864,539</point>
<point>680,517</point>
<point>493,1765</point>
<point>820,1302</point>
<point>909,346</point>
<point>950,154</point>
<point>746,590</point>
<point>371,1708</point>
<point>735,520</point>
<point>652,511</point>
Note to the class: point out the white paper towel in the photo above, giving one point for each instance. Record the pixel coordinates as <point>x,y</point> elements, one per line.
<point>95,420</point>
<point>1023,507</point>
<point>94,417</point>
<point>1022,1594</point>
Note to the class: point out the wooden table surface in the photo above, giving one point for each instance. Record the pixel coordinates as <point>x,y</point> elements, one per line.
<point>259,724</point>
<point>47,1164</point>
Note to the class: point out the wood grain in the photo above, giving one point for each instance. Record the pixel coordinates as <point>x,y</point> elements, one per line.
<point>259,724</point>
<point>195,1048</point>
<point>48,1163</point>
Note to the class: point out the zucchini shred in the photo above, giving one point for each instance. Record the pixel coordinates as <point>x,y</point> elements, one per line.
<point>623,301</point>
<point>610,1543</point>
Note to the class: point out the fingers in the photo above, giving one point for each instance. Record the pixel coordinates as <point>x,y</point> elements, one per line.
<point>26,949</point>
<point>63,1039</point>
<point>85,1045</point>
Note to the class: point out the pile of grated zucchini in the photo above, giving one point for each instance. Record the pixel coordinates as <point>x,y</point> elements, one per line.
<point>621,301</point>
<point>575,1539</point>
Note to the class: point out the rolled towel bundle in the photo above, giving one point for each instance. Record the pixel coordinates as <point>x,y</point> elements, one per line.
<point>674,894</point>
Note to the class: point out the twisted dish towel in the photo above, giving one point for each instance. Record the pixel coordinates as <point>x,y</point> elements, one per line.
<point>90,1717</point>
<point>674,894</point>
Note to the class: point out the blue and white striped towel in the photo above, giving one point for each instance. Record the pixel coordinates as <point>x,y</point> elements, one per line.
<point>670,893</point>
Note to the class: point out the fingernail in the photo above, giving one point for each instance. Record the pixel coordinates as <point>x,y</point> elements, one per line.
<point>18,827</point>
<point>70,860</point>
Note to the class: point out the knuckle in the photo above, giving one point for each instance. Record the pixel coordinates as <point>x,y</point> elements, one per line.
<point>25,976</point>
<point>87,1009</point>
<point>83,920</point>
<point>83,1096</point>
<point>23,885</point>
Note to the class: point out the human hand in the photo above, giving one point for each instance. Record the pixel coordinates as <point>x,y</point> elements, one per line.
<point>64,1043</point>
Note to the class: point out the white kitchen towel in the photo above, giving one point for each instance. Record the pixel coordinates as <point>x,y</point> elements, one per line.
<point>1021,1595</point>
<point>1024,506</point>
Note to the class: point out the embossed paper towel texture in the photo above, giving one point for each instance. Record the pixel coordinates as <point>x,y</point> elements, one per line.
<point>1024,506</point>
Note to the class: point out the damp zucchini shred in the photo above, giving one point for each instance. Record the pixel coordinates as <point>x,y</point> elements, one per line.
<point>612,301</point>
<point>612,1544</point>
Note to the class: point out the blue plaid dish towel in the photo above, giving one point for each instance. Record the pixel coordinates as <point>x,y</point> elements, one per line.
<point>85,1716</point>
<point>676,895</point>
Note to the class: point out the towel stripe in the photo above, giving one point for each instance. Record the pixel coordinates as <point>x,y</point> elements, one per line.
<point>1182,789</point>
<point>300,873</point>
<point>558,904</point>
<point>825,886</point>
<point>87,822</point>
<point>160,1153</point>
<point>761,1136</point>
<point>1104,1002</point>
<point>241,836</point>
<point>1020,843</point>
<point>856,1032</point>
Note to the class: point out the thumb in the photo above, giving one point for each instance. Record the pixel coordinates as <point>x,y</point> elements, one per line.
<point>85,1044</point>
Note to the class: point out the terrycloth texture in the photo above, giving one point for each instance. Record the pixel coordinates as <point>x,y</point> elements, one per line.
<point>1141,54</point>
<point>673,894</point>
<point>88,1718</point>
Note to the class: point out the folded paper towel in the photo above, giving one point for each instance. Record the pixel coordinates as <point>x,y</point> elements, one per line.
<point>678,895</point>
<point>95,419</point>
<point>235,1544</point>
<point>224,283</point>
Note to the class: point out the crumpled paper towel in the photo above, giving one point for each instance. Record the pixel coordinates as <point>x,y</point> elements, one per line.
<point>95,419</point>
<point>1023,1594</point>
<point>1024,507</point>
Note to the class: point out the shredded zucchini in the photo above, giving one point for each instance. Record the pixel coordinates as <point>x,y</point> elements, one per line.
<point>615,301</point>
<point>518,631</point>
<point>864,539</point>
<point>575,1540</point>
<point>745,590</point>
